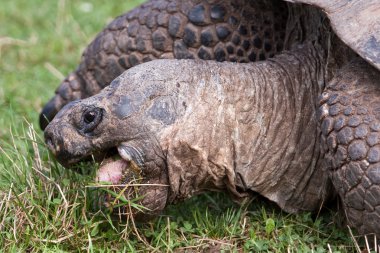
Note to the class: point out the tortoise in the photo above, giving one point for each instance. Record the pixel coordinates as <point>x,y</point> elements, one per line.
<point>287,111</point>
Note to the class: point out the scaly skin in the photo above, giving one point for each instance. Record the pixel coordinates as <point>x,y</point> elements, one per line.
<point>350,123</point>
<point>237,31</point>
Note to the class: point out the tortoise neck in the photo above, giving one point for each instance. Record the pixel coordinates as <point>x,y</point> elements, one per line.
<point>278,154</point>
<point>246,123</point>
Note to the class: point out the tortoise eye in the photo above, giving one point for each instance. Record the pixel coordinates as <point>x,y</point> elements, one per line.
<point>91,119</point>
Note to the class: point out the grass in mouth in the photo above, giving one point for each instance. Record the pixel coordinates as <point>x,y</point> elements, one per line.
<point>44,207</point>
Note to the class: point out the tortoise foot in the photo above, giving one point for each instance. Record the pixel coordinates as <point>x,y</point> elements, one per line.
<point>350,124</point>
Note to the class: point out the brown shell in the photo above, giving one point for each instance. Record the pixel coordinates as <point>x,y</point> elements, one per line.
<point>356,22</point>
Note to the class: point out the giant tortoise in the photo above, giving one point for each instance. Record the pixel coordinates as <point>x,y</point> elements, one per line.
<point>299,125</point>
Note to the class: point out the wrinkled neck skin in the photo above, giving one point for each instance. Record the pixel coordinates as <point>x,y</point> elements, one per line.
<point>244,127</point>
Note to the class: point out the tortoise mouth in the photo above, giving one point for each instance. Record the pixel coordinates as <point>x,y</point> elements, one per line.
<point>116,170</point>
<point>75,162</point>
<point>117,182</point>
<point>118,167</point>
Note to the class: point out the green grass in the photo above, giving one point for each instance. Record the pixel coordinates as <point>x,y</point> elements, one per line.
<point>44,207</point>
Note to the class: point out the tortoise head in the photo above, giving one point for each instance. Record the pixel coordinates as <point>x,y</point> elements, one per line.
<point>114,121</point>
<point>116,116</point>
<point>75,130</point>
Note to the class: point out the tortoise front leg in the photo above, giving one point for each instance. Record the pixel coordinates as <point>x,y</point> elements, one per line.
<point>350,124</point>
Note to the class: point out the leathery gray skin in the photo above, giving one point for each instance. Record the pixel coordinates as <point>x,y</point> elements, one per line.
<point>241,127</point>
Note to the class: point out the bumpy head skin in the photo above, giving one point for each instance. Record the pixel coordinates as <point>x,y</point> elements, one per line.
<point>224,30</point>
<point>350,123</point>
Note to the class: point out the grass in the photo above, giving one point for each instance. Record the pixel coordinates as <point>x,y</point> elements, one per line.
<point>44,207</point>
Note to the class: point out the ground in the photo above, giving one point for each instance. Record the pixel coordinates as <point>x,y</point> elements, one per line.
<point>44,207</point>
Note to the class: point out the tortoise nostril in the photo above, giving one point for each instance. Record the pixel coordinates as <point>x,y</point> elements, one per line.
<point>49,141</point>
